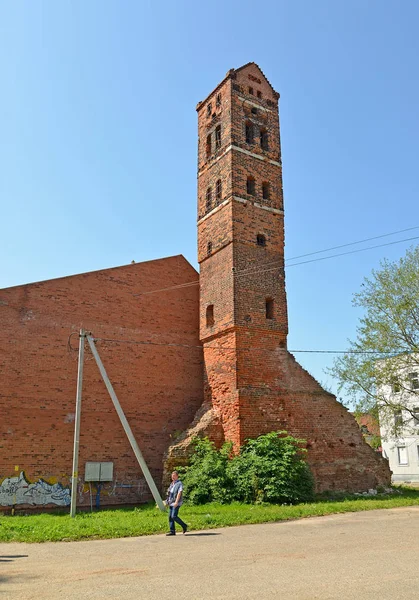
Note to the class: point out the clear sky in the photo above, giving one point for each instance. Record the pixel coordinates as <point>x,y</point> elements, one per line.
<point>98,136</point>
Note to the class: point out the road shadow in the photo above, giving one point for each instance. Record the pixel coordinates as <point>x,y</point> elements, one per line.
<point>201,534</point>
<point>12,557</point>
<point>13,578</point>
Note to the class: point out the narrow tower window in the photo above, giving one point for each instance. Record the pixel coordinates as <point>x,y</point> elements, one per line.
<point>261,239</point>
<point>259,94</point>
<point>210,315</point>
<point>218,137</point>
<point>218,190</point>
<point>249,133</point>
<point>251,186</point>
<point>208,145</point>
<point>265,190</point>
<point>251,91</point>
<point>209,199</point>
<point>218,101</point>
<point>269,308</point>
<point>209,109</point>
<point>209,248</point>
<point>264,139</point>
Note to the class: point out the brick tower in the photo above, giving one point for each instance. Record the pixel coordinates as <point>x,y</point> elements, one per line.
<point>241,246</point>
<point>253,385</point>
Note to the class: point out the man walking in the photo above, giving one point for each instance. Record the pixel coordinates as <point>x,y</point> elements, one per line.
<point>175,501</point>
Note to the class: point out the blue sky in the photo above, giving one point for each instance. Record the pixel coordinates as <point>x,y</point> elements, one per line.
<point>98,137</point>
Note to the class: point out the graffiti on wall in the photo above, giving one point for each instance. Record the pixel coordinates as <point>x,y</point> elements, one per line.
<point>18,490</point>
<point>125,488</point>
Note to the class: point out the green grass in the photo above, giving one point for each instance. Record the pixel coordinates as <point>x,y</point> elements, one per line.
<point>147,519</point>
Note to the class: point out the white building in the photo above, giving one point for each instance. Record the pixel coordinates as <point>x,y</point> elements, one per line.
<point>399,416</point>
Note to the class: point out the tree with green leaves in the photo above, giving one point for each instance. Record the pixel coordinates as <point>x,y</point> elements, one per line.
<point>380,371</point>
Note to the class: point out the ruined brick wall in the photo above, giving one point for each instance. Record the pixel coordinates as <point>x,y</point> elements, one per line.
<point>160,386</point>
<point>276,394</point>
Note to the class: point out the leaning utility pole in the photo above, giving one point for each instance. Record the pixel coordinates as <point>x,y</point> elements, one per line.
<point>125,425</point>
<point>75,475</point>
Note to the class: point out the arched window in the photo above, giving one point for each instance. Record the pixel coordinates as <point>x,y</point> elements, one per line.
<point>269,305</point>
<point>208,145</point>
<point>218,137</point>
<point>209,248</point>
<point>250,186</point>
<point>265,190</point>
<point>209,199</point>
<point>210,315</point>
<point>261,239</point>
<point>264,139</point>
<point>218,190</point>
<point>249,132</point>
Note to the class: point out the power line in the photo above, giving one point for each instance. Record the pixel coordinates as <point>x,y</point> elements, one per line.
<point>173,287</point>
<point>353,243</point>
<point>143,343</point>
<point>344,246</point>
<point>250,272</point>
<point>355,251</point>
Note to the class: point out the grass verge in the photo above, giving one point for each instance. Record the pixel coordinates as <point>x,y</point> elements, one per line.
<point>147,520</point>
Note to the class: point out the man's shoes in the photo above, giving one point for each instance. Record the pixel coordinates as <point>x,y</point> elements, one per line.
<point>185,529</point>
<point>171,533</point>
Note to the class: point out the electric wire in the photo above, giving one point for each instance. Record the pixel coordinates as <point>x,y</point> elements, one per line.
<point>69,346</point>
<point>173,287</point>
<point>344,246</point>
<point>221,348</point>
<point>251,271</point>
<point>286,260</point>
<point>353,243</point>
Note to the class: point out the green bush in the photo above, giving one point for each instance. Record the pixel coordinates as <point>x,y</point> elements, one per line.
<point>206,479</point>
<point>270,468</point>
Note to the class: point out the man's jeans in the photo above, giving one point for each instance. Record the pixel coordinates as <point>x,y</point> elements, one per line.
<point>173,511</point>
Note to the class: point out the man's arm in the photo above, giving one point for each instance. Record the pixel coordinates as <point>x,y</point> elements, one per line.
<point>178,497</point>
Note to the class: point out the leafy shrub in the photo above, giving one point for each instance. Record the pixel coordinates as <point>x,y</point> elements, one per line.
<point>206,479</point>
<point>270,468</point>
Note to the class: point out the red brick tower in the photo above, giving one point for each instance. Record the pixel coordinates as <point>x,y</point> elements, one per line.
<point>241,246</point>
<point>252,383</point>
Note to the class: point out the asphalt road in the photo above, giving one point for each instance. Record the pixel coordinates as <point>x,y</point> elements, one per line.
<point>360,555</point>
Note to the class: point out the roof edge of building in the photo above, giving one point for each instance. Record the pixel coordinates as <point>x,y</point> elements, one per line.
<point>130,265</point>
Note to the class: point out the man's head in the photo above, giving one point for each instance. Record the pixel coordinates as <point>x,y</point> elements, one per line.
<point>175,475</point>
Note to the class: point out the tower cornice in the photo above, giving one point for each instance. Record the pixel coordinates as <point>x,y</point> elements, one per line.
<point>231,74</point>
<point>212,161</point>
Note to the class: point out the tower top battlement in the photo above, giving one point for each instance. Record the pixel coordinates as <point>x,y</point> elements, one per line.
<point>253,76</point>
